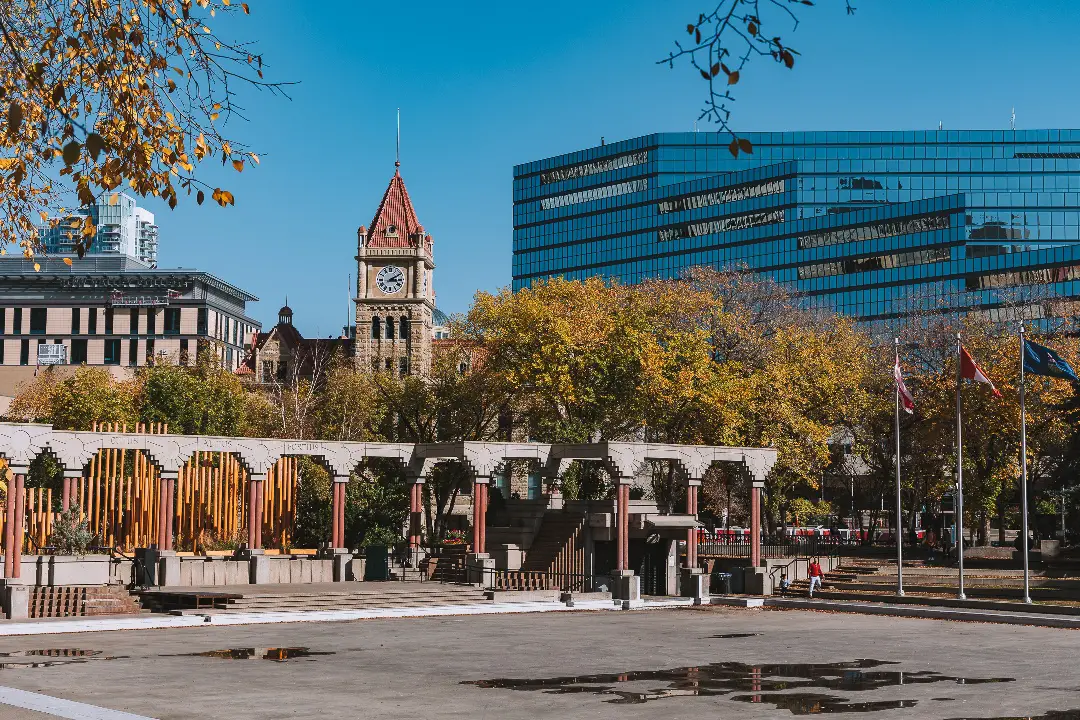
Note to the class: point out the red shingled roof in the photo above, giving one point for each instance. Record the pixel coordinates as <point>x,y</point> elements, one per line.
<point>395,223</point>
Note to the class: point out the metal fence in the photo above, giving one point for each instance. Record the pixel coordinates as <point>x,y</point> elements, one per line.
<point>807,546</point>
<point>539,580</point>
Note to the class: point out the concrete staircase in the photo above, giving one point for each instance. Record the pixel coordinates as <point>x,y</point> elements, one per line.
<point>326,596</point>
<point>79,601</point>
<point>553,539</point>
<point>868,582</point>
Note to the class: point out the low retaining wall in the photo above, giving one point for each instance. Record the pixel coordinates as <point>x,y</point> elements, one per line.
<point>65,570</point>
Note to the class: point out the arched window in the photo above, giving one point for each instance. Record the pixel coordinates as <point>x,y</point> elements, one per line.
<point>403,328</point>
<point>389,328</point>
<point>376,328</point>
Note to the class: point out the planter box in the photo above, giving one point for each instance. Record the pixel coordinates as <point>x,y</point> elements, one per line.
<point>75,570</point>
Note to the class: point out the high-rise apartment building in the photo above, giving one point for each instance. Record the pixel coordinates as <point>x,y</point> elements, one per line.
<point>123,228</point>
<point>874,224</point>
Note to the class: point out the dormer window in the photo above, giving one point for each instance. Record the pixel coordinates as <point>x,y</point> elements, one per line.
<point>391,229</point>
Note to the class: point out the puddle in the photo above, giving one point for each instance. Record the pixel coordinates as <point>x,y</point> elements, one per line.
<point>815,704</point>
<point>275,654</point>
<point>20,659</point>
<point>729,636</point>
<point>1049,715</point>
<point>764,681</point>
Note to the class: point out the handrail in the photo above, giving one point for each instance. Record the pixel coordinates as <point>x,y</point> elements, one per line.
<point>539,580</point>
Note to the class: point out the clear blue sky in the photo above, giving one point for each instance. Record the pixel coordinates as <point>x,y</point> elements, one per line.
<point>482,86</point>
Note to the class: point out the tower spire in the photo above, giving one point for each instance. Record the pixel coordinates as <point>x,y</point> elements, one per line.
<point>397,155</point>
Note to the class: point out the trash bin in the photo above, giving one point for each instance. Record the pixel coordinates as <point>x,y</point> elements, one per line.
<point>146,562</point>
<point>720,584</point>
<point>377,565</point>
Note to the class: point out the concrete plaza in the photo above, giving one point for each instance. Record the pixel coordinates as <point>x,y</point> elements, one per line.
<point>689,663</point>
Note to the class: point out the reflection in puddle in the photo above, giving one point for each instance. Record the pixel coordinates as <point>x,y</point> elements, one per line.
<point>728,636</point>
<point>816,703</point>
<point>275,654</point>
<point>763,681</point>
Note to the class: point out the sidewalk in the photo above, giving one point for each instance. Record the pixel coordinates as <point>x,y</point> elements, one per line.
<point>54,626</point>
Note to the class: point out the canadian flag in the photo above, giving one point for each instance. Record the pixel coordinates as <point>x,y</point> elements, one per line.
<point>906,401</point>
<point>970,370</point>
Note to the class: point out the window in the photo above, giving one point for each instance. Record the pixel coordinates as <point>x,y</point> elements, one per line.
<point>78,352</point>
<point>134,329</point>
<point>38,320</point>
<point>403,366</point>
<point>24,353</point>
<point>172,321</point>
<point>150,352</point>
<point>267,371</point>
<point>112,352</point>
<point>133,353</point>
<point>91,321</point>
<point>151,322</point>
<point>387,364</point>
<point>109,324</point>
<point>16,325</point>
<point>3,321</point>
<point>184,359</point>
<point>76,321</point>
<point>403,329</point>
<point>376,327</point>
<point>389,328</point>
<point>200,322</point>
<point>535,486</point>
<point>283,370</point>
<point>1,353</point>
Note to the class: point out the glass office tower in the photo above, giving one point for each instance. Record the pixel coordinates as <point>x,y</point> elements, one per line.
<point>874,224</point>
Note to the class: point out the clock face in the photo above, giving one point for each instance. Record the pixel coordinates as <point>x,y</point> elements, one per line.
<point>390,279</point>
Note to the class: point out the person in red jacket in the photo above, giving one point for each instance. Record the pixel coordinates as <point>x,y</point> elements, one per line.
<point>816,575</point>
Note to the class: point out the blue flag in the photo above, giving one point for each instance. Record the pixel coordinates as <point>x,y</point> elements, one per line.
<point>1039,360</point>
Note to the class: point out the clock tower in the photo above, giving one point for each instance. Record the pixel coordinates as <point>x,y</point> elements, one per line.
<point>395,300</point>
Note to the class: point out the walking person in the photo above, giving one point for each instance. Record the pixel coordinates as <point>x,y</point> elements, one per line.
<point>816,576</point>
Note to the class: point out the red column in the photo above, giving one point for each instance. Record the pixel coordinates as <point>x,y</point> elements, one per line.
<point>477,506</point>
<point>9,526</point>
<point>170,511</point>
<point>622,532</point>
<point>65,498</point>
<point>415,502</point>
<point>755,526</point>
<point>20,514</point>
<point>162,509</point>
<point>258,513</point>
<point>253,496</point>
<point>692,533</point>
<point>338,522</point>
<point>483,516</point>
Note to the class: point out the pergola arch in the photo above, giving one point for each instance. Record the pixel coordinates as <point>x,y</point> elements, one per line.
<point>19,443</point>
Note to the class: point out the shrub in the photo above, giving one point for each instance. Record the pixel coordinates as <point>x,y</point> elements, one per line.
<point>71,533</point>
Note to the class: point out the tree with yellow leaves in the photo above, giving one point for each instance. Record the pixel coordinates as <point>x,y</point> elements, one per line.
<point>100,94</point>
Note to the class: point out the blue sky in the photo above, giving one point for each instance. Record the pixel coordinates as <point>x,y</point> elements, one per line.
<point>483,86</point>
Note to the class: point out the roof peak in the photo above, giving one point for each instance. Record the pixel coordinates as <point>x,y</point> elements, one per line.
<point>395,223</point>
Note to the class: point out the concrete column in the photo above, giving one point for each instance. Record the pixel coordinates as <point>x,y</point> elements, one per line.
<point>755,523</point>
<point>20,516</point>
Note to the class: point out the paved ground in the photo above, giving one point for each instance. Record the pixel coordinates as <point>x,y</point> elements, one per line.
<point>715,663</point>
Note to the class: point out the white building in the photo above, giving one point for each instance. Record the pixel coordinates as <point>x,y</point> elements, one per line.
<point>123,228</point>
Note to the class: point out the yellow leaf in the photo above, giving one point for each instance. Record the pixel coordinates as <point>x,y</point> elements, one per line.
<point>239,165</point>
<point>114,198</point>
<point>254,157</point>
<point>67,261</point>
<point>37,267</point>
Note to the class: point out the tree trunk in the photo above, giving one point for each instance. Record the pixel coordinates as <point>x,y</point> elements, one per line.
<point>1001,521</point>
<point>984,529</point>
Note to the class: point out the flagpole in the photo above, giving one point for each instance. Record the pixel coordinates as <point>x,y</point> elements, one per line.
<point>1023,469</point>
<point>899,520</point>
<point>958,505</point>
